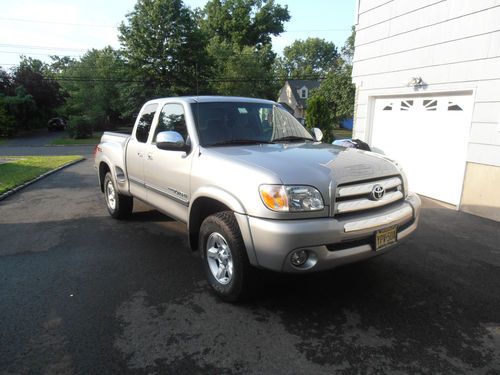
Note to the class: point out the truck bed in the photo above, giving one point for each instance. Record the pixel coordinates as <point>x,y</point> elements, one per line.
<point>115,137</point>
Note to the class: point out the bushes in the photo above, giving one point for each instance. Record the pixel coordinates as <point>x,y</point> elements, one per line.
<point>318,115</point>
<point>79,127</point>
<point>7,123</point>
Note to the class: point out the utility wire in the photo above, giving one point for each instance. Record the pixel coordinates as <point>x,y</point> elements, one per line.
<point>36,53</point>
<point>43,47</point>
<point>220,79</point>
<point>115,26</point>
<point>55,22</point>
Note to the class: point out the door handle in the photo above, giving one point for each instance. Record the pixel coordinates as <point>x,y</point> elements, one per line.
<point>140,154</point>
<point>150,156</point>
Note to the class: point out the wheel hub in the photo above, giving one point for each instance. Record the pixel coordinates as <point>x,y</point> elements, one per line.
<point>110,195</point>
<point>219,258</point>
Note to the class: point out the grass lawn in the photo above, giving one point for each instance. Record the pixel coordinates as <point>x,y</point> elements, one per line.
<point>342,133</point>
<point>96,138</point>
<point>21,169</point>
<point>65,140</point>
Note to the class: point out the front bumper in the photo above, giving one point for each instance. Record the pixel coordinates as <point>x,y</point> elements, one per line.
<point>330,241</point>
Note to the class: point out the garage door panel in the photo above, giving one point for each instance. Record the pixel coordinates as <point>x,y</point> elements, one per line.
<point>427,136</point>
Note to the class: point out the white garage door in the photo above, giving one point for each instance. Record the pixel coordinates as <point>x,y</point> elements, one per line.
<point>428,137</point>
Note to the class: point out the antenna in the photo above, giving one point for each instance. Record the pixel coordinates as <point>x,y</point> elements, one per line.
<point>197,104</point>
<point>196,78</point>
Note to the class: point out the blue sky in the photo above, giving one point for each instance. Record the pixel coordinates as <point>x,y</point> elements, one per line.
<point>39,28</point>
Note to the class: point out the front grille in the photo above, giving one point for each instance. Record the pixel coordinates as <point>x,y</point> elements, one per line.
<point>358,196</point>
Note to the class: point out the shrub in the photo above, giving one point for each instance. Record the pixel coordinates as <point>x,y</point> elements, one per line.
<point>318,114</point>
<point>79,127</point>
<point>7,124</point>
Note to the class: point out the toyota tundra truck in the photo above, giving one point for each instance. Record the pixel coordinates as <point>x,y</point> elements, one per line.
<point>255,188</point>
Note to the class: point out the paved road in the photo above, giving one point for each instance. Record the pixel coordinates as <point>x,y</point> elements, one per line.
<point>82,293</point>
<point>34,138</point>
<point>37,143</point>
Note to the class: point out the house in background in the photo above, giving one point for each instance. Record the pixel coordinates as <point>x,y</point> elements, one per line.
<point>427,77</point>
<point>294,94</point>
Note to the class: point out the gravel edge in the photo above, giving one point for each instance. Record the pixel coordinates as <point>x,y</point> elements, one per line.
<point>42,176</point>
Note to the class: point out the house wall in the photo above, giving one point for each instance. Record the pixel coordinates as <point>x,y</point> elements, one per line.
<point>453,45</point>
<point>481,194</point>
<point>286,96</point>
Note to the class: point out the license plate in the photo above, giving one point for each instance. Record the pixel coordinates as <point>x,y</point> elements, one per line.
<point>385,237</point>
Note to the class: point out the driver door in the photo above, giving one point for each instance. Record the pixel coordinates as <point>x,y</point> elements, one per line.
<point>167,173</point>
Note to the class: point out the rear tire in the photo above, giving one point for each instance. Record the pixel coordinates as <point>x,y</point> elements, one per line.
<point>119,206</point>
<point>224,256</point>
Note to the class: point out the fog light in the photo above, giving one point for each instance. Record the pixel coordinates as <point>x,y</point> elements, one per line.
<point>299,257</point>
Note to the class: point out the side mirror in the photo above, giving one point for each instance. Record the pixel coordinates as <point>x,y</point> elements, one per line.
<point>317,134</point>
<point>170,140</point>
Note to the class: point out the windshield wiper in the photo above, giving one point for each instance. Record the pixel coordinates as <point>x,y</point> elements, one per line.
<point>239,142</point>
<point>291,138</point>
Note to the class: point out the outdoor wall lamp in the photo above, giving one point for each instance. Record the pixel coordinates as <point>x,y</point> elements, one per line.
<point>416,82</point>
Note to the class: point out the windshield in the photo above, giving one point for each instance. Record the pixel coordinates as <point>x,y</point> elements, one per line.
<point>220,123</point>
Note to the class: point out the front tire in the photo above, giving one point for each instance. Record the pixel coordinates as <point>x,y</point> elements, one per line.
<point>119,206</point>
<point>224,256</point>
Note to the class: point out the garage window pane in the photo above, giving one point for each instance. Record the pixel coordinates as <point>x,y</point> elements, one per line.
<point>454,107</point>
<point>430,105</point>
<point>406,105</point>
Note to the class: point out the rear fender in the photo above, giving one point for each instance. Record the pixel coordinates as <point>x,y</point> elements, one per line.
<point>119,175</point>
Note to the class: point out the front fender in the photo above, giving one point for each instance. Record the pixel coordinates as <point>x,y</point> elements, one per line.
<point>221,195</point>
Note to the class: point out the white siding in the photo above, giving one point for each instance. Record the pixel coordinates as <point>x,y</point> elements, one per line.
<point>454,45</point>
<point>483,154</point>
<point>367,6</point>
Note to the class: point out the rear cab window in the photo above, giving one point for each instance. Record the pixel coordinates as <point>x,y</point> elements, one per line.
<point>144,123</point>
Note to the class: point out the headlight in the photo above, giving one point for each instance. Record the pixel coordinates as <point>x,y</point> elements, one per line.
<point>291,198</point>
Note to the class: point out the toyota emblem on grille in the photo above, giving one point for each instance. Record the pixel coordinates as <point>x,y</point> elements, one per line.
<point>377,193</point>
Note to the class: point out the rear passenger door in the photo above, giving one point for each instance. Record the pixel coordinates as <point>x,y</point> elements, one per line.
<point>136,151</point>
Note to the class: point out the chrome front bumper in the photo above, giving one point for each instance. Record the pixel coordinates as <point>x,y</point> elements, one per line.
<point>332,241</point>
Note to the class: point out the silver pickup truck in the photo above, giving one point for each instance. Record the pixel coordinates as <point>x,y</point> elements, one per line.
<point>255,188</point>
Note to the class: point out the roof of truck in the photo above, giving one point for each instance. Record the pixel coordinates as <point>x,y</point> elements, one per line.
<point>210,99</point>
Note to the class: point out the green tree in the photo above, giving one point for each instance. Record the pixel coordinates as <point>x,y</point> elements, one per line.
<point>318,115</point>
<point>339,92</point>
<point>337,89</point>
<point>6,84</point>
<point>7,122</point>
<point>244,22</point>
<point>17,108</point>
<point>163,47</point>
<point>348,48</point>
<point>94,85</point>
<point>240,49</point>
<point>241,71</point>
<point>21,108</point>
<point>35,79</point>
<point>60,64</point>
<point>309,59</point>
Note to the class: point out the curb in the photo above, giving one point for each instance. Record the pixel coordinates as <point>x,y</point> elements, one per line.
<point>31,146</point>
<point>26,184</point>
<point>81,145</point>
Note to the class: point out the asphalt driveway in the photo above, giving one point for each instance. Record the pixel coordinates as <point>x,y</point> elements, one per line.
<point>82,293</point>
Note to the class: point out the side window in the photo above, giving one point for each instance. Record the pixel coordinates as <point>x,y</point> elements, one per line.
<point>172,119</point>
<point>144,124</point>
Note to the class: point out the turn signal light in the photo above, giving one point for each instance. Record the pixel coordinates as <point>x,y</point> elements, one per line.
<point>274,197</point>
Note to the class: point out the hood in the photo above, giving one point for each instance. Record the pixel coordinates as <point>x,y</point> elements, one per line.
<point>319,165</point>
